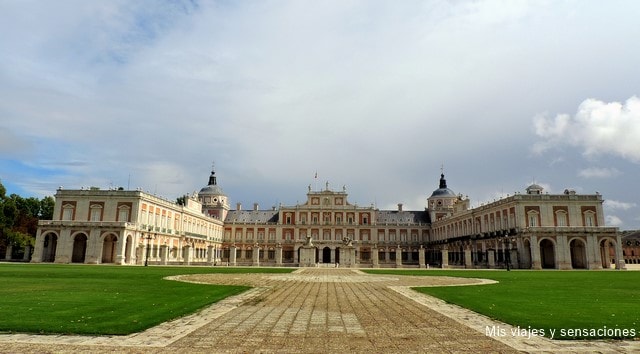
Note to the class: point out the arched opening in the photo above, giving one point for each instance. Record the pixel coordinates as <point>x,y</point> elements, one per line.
<point>127,250</point>
<point>79,248</point>
<point>607,253</point>
<point>578,254</point>
<point>547,254</point>
<point>326,255</point>
<point>49,247</point>
<point>109,249</point>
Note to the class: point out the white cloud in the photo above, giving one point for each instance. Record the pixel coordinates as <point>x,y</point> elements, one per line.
<point>612,220</point>
<point>595,172</point>
<point>617,205</point>
<point>372,94</point>
<point>597,128</point>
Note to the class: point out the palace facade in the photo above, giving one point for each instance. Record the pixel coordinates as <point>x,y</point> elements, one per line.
<point>533,230</point>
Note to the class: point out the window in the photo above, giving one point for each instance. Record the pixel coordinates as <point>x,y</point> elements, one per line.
<point>561,218</point>
<point>588,220</point>
<point>260,235</point>
<point>96,212</point>
<point>533,218</point>
<point>67,211</point>
<point>123,213</point>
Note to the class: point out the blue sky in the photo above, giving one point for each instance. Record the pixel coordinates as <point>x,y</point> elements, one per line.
<point>373,95</point>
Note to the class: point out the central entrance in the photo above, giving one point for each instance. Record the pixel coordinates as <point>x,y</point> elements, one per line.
<point>329,255</point>
<point>326,255</point>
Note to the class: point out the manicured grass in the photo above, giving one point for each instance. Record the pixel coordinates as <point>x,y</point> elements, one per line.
<point>554,301</point>
<point>85,299</point>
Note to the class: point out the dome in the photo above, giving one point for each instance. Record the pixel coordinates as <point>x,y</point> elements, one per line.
<point>443,191</point>
<point>535,189</point>
<point>212,188</point>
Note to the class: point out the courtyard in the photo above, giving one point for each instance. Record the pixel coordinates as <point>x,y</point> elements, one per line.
<point>314,310</point>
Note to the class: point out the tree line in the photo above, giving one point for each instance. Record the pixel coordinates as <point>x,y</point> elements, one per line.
<point>19,220</point>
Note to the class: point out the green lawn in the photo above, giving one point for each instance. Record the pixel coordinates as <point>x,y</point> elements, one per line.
<point>90,299</point>
<point>555,301</point>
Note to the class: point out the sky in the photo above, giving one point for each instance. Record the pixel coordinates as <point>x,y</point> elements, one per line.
<point>375,96</point>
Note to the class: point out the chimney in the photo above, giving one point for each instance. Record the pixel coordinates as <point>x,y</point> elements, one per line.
<point>399,206</point>
<point>255,206</point>
<point>239,206</point>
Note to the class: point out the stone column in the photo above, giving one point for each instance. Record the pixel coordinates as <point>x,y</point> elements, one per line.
<point>445,256</point>
<point>187,254</point>
<point>92,253</point>
<point>278,255</point>
<point>593,253</point>
<point>164,253</point>
<point>421,258</point>
<point>536,263</point>
<point>27,251</point>
<point>468,263</point>
<point>39,248</point>
<point>398,257</point>
<point>620,264</point>
<point>563,253</point>
<point>232,255</point>
<point>210,255</point>
<point>374,257</point>
<point>256,256</point>
<point>491,258</point>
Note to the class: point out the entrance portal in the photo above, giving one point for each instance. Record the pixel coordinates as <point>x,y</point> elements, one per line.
<point>578,254</point>
<point>50,245</point>
<point>79,248</point>
<point>547,254</point>
<point>326,255</point>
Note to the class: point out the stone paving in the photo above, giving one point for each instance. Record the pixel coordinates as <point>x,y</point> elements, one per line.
<point>318,310</point>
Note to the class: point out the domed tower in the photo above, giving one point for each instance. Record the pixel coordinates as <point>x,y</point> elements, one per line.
<point>214,202</point>
<point>442,200</point>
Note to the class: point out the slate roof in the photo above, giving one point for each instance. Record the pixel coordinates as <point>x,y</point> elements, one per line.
<point>252,216</point>
<point>402,217</point>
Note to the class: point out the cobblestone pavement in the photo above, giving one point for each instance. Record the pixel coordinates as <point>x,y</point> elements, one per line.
<point>317,310</point>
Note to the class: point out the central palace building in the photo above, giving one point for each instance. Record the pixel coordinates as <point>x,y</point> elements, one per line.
<point>532,230</point>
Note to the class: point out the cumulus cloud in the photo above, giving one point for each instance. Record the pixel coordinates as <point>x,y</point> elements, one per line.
<point>617,205</point>
<point>595,172</point>
<point>597,127</point>
<point>612,220</point>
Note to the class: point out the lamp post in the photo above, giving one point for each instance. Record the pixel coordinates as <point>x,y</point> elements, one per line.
<point>508,240</point>
<point>148,238</point>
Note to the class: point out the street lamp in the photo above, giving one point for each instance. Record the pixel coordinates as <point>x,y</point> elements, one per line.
<point>148,238</point>
<point>508,240</point>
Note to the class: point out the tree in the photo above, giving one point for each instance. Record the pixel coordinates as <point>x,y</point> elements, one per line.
<point>46,208</point>
<point>19,219</point>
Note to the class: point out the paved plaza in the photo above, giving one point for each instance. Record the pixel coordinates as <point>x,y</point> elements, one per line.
<point>318,310</point>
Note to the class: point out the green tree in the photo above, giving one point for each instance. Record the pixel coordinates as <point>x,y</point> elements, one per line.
<point>46,208</point>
